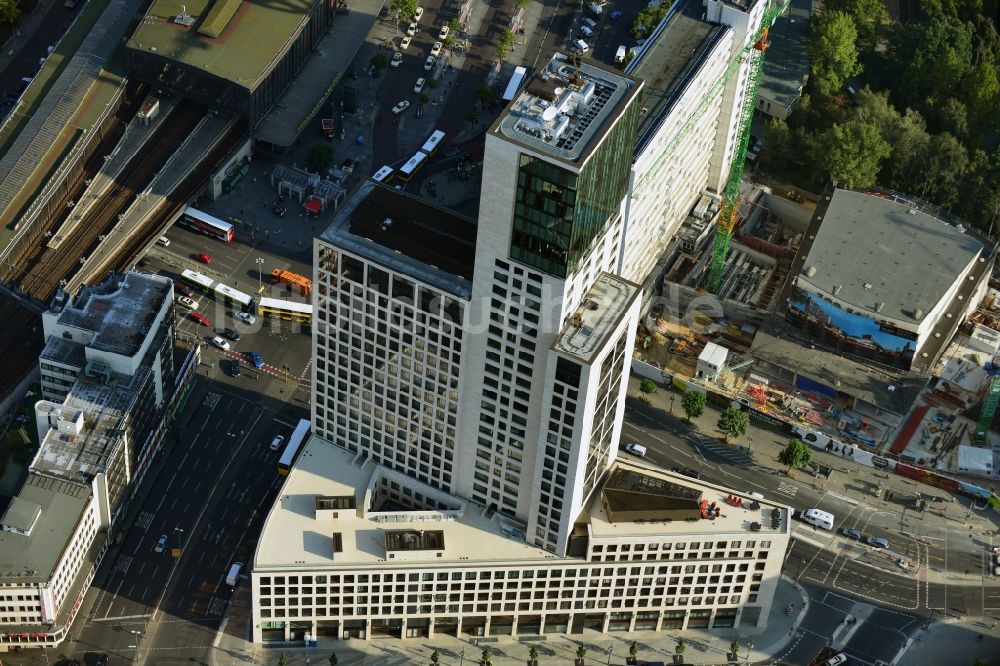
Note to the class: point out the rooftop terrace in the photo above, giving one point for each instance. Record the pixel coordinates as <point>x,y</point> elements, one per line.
<point>245,46</point>
<point>669,61</point>
<point>597,317</point>
<point>562,110</point>
<point>408,234</point>
<point>120,311</point>
<point>78,453</point>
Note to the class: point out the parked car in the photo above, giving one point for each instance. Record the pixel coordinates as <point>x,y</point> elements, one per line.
<point>203,257</point>
<point>693,473</point>
<point>418,14</point>
<point>231,334</point>
<point>836,660</point>
<point>405,42</point>
<point>402,106</point>
<point>851,533</point>
<point>244,317</point>
<point>235,369</point>
<point>429,63</point>
<point>183,289</point>
<point>636,449</point>
<point>436,49</point>
<point>348,166</point>
<point>418,87</point>
<point>220,343</point>
<point>161,545</point>
<point>277,442</point>
<point>256,359</point>
<point>187,302</point>
<point>411,29</point>
<point>444,33</point>
<point>201,319</point>
<point>397,59</point>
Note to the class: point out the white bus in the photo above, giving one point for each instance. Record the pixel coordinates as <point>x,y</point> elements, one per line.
<point>516,79</point>
<point>412,166</point>
<point>384,175</point>
<point>293,446</point>
<point>431,145</point>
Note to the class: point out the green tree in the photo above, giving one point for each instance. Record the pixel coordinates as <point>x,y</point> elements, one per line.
<point>693,404</point>
<point>523,3</point>
<point>403,8</point>
<point>581,653</point>
<point>733,422</point>
<point>633,650</point>
<point>9,12</point>
<point>647,20</point>
<point>734,647</point>
<point>944,164</point>
<point>282,660</point>
<point>647,386</point>
<point>487,658</point>
<point>455,25</point>
<point>953,117</point>
<point>833,51</point>
<point>487,95</point>
<point>504,42</point>
<point>680,647</point>
<point>435,657</point>
<point>332,659</point>
<point>471,117</point>
<point>533,653</point>
<point>795,454</point>
<point>853,153</point>
<point>380,60</point>
<point>320,157</point>
<point>981,87</point>
<point>869,17</point>
<point>777,146</point>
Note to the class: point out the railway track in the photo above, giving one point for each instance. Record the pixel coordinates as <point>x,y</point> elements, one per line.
<point>57,264</point>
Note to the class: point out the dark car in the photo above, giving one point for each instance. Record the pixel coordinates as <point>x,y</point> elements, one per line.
<point>235,370</point>
<point>231,334</point>
<point>348,166</point>
<point>851,533</point>
<point>183,289</point>
<point>102,660</point>
<point>693,473</point>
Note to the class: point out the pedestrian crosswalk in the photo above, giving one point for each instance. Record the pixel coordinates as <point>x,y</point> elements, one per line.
<point>122,564</point>
<point>212,399</point>
<point>145,519</point>
<point>789,489</point>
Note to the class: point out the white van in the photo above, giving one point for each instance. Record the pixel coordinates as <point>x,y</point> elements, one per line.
<point>636,449</point>
<point>581,46</point>
<point>595,8</point>
<point>585,31</point>
<point>818,518</point>
<point>620,54</point>
<point>234,574</point>
<point>164,241</point>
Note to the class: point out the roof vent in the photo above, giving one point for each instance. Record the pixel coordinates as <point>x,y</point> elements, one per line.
<point>918,313</point>
<point>879,306</point>
<point>912,211</point>
<point>868,285</point>
<point>811,271</point>
<point>837,289</point>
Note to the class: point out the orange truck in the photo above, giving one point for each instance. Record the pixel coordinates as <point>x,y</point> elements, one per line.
<point>293,280</point>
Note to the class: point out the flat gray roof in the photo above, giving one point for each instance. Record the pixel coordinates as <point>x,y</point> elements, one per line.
<point>597,317</point>
<point>67,352</point>
<point>301,102</point>
<point>429,243</point>
<point>119,311</point>
<point>668,63</point>
<point>787,63</point>
<point>871,250</point>
<point>565,109</point>
<point>32,558</point>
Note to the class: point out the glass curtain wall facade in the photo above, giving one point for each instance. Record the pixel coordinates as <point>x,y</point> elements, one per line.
<point>558,213</point>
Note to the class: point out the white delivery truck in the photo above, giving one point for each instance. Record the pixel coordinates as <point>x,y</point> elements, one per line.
<point>818,518</point>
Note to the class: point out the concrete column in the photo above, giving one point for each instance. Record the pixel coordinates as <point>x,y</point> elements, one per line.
<point>513,628</point>
<point>541,625</point>
<point>631,623</point>
<point>607,622</point>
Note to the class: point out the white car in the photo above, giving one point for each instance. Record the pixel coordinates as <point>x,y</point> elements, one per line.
<point>836,660</point>
<point>189,303</point>
<point>245,317</point>
<point>417,14</point>
<point>418,86</point>
<point>397,59</point>
<point>405,42</point>
<point>411,29</point>
<point>429,63</point>
<point>220,343</point>
<point>444,33</point>
<point>399,108</point>
<point>161,545</point>
<point>436,49</point>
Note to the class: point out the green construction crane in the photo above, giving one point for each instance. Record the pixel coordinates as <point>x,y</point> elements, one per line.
<point>753,53</point>
<point>990,402</point>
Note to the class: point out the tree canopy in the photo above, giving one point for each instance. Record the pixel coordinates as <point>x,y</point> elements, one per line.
<point>795,454</point>
<point>693,404</point>
<point>733,422</point>
<point>833,50</point>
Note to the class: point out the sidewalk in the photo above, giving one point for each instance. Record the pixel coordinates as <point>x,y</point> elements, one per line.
<point>703,646</point>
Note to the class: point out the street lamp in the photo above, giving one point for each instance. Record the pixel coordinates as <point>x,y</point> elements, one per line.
<point>179,538</point>
<point>749,647</point>
<point>138,637</point>
<point>260,272</point>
